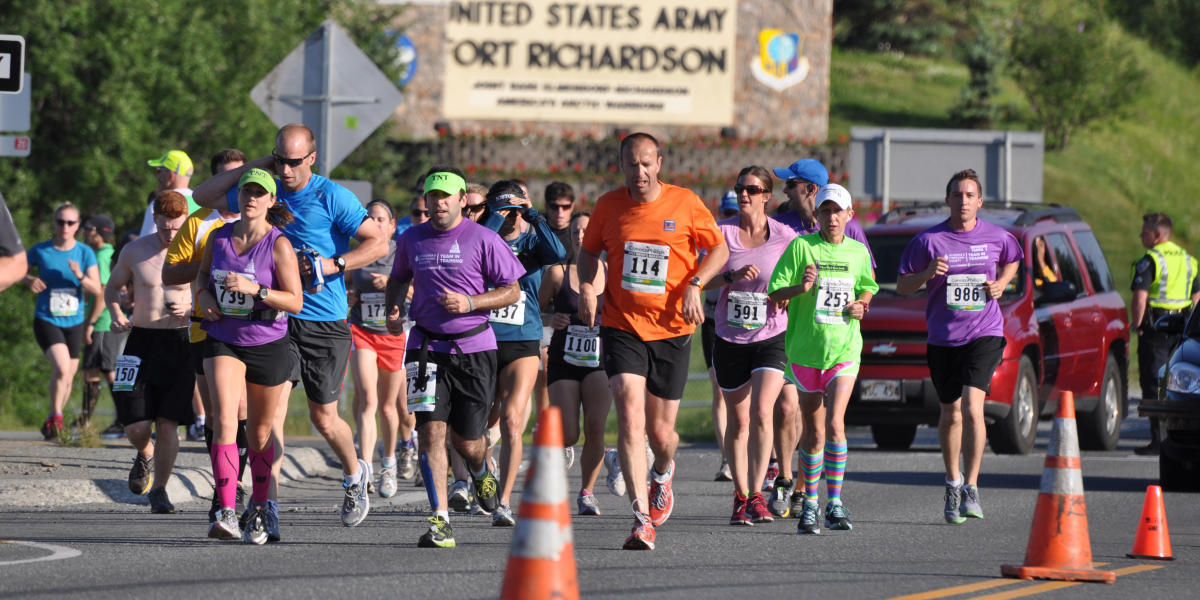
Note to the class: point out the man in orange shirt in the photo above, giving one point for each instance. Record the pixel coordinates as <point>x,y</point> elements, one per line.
<point>651,233</point>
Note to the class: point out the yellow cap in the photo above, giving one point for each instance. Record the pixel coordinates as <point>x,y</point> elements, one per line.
<point>175,161</point>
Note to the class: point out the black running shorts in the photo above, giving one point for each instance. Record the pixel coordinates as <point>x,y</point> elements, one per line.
<point>973,364</point>
<point>664,363</point>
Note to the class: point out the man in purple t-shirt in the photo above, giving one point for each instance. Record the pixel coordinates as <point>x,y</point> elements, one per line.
<point>452,262</point>
<point>805,178</point>
<point>965,264</point>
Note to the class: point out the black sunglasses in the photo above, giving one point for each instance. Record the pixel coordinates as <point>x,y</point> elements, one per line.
<point>796,182</point>
<point>475,208</point>
<point>291,162</point>
<point>558,206</point>
<point>751,190</point>
<point>423,213</point>
<point>66,223</point>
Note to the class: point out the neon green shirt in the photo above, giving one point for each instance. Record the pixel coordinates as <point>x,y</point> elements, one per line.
<point>820,332</point>
<point>104,257</point>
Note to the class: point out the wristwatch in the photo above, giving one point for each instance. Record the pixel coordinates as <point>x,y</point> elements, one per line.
<point>694,281</point>
<point>341,263</point>
<point>727,276</point>
<point>262,292</point>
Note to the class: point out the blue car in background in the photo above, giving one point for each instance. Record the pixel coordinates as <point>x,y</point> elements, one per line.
<point>1178,405</point>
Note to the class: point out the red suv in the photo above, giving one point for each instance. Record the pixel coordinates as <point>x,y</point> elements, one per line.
<point>1065,324</point>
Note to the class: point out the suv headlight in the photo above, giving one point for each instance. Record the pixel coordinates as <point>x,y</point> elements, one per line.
<point>1183,378</point>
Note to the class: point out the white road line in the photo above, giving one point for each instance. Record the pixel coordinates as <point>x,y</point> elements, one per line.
<point>56,552</point>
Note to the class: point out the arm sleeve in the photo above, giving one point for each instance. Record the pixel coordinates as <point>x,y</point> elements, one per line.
<point>87,258</point>
<point>1011,251</point>
<point>708,235</point>
<point>916,256</point>
<point>593,237</point>
<point>401,271</point>
<point>866,282</point>
<point>182,249</point>
<point>786,267</point>
<point>855,231</point>
<point>547,246</point>
<point>347,212</point>
<point>1143,275</point>
<point>10,240</point>
<point>500,266</point>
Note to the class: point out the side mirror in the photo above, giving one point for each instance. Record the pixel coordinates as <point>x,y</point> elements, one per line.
<point>1054,292</point>
<point>1170,324</point>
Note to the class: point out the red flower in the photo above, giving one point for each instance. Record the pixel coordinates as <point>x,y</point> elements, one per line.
<point>578,168</point>
<point>612,168</point>
<point>471,169</point>
<point>553,168</point>
<point>441,131</point>
<point>842,139</point>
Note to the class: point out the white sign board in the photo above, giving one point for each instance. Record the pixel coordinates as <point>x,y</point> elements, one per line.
<point>14,108</point>
<point>14,145</point>
<point>12,63</point>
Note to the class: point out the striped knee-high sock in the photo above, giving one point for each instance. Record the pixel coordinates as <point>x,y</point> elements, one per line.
<point>810,467</point>
<point>835,469</point>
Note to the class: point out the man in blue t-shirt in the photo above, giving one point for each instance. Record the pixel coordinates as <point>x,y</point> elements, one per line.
<point>326,216</point>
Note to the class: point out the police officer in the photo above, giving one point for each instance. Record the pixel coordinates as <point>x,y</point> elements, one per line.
<point>1163,280</point>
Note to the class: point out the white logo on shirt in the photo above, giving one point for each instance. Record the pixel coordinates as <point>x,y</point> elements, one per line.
<point>454,249</point>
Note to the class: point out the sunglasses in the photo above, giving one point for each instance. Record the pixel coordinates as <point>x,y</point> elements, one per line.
<point>475,208</point>
<point>558,207</point>
<point>418,212</point>
<point>796,182</point>
<point>751,190</point>
<point>65,223</point>
<point>291,162</point>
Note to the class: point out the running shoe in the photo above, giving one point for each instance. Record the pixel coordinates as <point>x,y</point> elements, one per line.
<point>810,518</point>
<point>387,481</point>
<point>407,464</point>
<point>195,432</point>
<point>772,474</point>
<point>226,526</point>
<point>837,517</point>
<point>255,531</point>
<point>356,504</point>
<point>214,508</point>
<point>797,503</point>
<point>739,511</point>
<point>460,496</point>
<point>502,516</point>
<point>643,535</point>
<point>779,498</point>
<point>723,473</point>
<point>51,426</point>
<point>587,504</point>
<point>615,479</point>
<point>116,430</point>
<point>953,499</point>
<point>756,509</point>
<point>160,504</point>
<point>487,492</point>
<point>271,521</point>
<point>569,456</point>
<point>969,506</point>
<point>662,497</point>
<point>439,535</point>
<point>141,474</point>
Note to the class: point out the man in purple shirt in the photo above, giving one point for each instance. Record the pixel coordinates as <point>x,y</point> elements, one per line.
<point>452,262</point>
<point>965,264</point>
<point>805,178</point>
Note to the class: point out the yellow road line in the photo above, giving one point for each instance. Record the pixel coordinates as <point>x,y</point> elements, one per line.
<point>960,589</point>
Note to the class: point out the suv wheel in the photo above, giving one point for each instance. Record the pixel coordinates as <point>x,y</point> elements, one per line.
<point>1015,433</point>
<point>893,437</point>
<point>1100,428</point>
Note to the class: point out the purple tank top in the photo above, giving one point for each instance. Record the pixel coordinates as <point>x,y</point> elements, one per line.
<point>236,325</point>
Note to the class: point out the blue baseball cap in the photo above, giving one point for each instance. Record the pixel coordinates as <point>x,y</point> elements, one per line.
<point>807,169</point>
<point>729,201</point>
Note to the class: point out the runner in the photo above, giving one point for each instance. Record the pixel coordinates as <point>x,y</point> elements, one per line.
<point>450,262</point>
<point>150,387</point>
<point>13,264</point>
<point>247,280</point>
<point>181,265</point>
<point>828,281</point>
<point>651,232</point>
<point>326,215</point>
<point>378,357</point>
<point>100,346</point>
<point>576,376</point>
<point>965,264</point>
<point>518,327</point>
<point>173,171</point>
<point>65,270</point>
<point>749,355</point>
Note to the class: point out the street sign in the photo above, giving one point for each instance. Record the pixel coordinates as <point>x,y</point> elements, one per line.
<point>14,108</point>
<point>12,63</point>
<point>14,145</point>
<point>328,84</point>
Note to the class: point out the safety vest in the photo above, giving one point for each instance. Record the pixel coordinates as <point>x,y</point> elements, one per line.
<point>1174,270</point>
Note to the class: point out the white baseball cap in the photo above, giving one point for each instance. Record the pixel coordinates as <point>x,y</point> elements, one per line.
<point>834,193</point>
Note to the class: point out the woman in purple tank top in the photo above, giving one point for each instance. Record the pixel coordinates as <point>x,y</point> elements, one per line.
<point>248,282</point>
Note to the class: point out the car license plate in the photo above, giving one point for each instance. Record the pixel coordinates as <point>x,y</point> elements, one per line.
<point>880,390</point>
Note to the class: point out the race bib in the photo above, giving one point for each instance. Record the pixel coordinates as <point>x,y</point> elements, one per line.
<point>746,310</point>
<point>513,314</point>
<point>966,292</point>
<point>834,294</point>
<point>645,268</point>
<point>374,313</point>
<point>64,302</point>
<point>233,304</point>
<point>421,399</point>
<point>582,347</point>
<point>126,372</point>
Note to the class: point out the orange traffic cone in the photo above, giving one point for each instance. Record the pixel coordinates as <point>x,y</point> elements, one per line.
<point>1153,539</point>
<point>1059,546</point>
<point>541,560</point>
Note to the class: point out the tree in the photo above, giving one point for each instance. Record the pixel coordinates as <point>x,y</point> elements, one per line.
<point>982,51</point>
<point>1072,66</point>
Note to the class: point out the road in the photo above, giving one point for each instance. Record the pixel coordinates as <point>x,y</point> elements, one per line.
<point>899,545</point>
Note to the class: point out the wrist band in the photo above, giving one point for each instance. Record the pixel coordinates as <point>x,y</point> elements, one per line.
<point>471,303</point>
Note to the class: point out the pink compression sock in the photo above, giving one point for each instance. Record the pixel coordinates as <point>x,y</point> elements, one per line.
<point>225,468</point>
<point>260,471</point>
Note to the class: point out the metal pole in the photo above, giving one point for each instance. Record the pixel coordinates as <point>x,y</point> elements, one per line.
<point>1007,169</point>
<point>886,167</point>
<point>326,93</point>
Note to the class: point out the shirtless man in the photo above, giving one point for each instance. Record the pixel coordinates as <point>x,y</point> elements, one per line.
<point>150,387</point>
